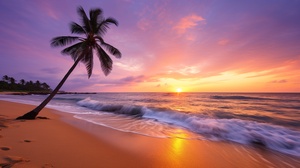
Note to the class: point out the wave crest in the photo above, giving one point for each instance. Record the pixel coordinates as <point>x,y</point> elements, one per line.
<point>135,111</point>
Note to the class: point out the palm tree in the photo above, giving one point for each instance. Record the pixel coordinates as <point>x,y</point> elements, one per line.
<point>93,29</point>
<point>12,80</point>
<point>5,78</point>
<point>45,86</point>
<point>22,82</point>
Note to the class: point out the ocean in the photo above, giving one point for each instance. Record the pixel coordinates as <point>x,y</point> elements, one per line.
<point>269,120</point>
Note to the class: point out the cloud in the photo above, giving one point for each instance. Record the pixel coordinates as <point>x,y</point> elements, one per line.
<point>131,79</point>
<point>143,24</point>
<point>51,70</point>
<point>77,81</point>
<point>185,70</point>
<point>131,66</point>
<point>223,42</point>
<point>187,23</point>
<point>48,9</point>
<point>101,84</point>
<point>279,81</point>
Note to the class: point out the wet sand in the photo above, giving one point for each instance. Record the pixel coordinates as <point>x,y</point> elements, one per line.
<point>63,141</point>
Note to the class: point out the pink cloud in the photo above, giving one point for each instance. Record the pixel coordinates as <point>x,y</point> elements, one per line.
<point>143,24</point>
<point>223,42</point>
<point>187,23</point>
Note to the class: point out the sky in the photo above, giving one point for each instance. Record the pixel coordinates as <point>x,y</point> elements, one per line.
<point>195,45</point>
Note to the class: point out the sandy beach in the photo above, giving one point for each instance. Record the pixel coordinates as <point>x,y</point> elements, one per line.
<point>63,141</point>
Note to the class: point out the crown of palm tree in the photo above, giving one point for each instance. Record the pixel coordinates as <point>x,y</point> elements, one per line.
<point>92,29</point>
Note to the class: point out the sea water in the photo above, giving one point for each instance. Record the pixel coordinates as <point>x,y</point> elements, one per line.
<point>271,120</point>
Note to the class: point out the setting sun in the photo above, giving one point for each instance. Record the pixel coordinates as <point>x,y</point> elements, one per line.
<point>178,90</point>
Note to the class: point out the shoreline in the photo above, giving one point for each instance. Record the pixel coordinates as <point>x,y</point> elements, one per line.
<point>64,141</point>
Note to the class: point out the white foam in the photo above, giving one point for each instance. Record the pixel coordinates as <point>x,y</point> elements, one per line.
<point>246,132</point>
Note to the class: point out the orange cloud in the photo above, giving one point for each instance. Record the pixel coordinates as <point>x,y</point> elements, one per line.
<point>279,81</point>
<point>187,23</point>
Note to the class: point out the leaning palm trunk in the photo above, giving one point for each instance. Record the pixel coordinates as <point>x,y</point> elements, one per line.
<point>32,114</point>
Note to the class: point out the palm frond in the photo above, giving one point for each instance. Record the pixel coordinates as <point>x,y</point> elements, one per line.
<point>94,15</point>
<point>63,40</point>
<point>104,25</point>
<point>76,28</point>
<point>112,50</point>
<point>74,51</point>
<point>112,20</point>
<point>87,59</point>
<point>105,60</point>
<point>85,20</point>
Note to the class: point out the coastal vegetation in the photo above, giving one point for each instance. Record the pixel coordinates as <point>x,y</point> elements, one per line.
<point>12,85</point>
<point>92,29</point>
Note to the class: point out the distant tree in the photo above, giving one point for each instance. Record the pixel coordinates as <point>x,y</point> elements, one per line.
<point>9,84</point>
<point>45,86</point>
<point>22,82</point>
<point>3,86</point>
<point>12,80</point>
<point>12,83</point>
<point>5,78</point>
<point>93,30</point>
<point>21,85</point>
<point>37,85</point>
<point>29,86</point>
<point>4,83</point>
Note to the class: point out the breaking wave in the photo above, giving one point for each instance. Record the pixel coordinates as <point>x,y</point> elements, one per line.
<point>241,131</point>
<point>117,109</point>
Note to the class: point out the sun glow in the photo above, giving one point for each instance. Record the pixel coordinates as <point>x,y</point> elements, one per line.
<point>178,90</point>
